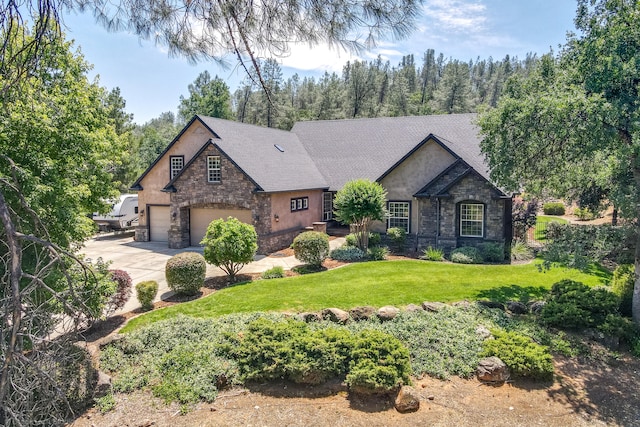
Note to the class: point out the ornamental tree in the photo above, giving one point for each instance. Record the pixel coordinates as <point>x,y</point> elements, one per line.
<point>576,113</point>
<point>359,203</point>
<point>230,244</point>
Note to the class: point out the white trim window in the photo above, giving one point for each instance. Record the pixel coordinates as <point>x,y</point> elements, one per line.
<point>214,171</point>
<point>327,206</point>
<point>471,220</point>
<point>299,204</point>
<point>399,215</point>
<point>176,164</point>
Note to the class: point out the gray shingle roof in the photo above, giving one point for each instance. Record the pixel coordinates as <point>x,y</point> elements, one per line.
<point>253,149</point>
<point>368,148</point>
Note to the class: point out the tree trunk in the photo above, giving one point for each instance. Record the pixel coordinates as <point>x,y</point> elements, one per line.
<point>635,305</point>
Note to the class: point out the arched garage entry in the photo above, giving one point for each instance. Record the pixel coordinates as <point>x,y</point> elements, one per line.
<point>199,219</point>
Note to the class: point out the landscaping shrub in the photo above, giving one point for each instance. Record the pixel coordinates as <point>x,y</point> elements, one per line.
<point>379,363</point>
<point>377,253</point>
<point>374,239</point>
<point>146,292</point>
<point>123,291</point>
<point>397,237</point>
<point>584,214</point>
<point>347,254</point>
<point>276,272</point>
<point>311,247</point>
<point>230,244</point>
<point>620,327</point>
<point>553,208</point>
<point>521,252</point>
<point>185,273</point>
<point>523,357</point>
<point>574,305</point>
<point>466,255</point>
<point>432,254</point>
<point>622,285</point>
<point>492,251</point>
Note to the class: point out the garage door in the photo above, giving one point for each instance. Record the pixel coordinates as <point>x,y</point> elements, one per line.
<point>159,223</point>
<point>201,217</point>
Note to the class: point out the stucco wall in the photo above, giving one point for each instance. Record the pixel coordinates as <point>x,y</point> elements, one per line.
<point>281,206</point>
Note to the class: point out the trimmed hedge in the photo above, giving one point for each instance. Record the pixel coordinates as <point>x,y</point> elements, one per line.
<point>553,208</point>
<point>146,292</point>
<point>311,247</point>
<point>185,272</point>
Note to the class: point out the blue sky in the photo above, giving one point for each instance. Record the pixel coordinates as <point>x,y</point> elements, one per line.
<point>152,83</point>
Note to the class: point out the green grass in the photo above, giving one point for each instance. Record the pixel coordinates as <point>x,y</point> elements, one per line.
<point>541,225</point>
<point>548,218</point>
<point>377,283</point>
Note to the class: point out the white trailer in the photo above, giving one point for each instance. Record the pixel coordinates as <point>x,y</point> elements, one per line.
<point>123,215</point>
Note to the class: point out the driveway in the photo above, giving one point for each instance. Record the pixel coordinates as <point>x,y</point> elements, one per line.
<point>146,261</point>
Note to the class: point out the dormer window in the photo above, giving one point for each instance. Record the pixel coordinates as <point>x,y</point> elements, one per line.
<point>176,163</point>
<point>214,172</point>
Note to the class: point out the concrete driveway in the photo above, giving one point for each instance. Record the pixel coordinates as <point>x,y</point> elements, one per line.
<point>146,261</point>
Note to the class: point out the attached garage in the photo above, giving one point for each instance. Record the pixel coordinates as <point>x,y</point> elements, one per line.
<point>159,223</point>
<point>200,218</point>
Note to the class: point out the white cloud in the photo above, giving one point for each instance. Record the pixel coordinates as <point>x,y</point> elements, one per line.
<point>319,57</point>
<point>456,15</point>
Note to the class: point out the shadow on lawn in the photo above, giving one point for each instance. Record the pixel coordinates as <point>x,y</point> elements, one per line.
<point>523,294</point>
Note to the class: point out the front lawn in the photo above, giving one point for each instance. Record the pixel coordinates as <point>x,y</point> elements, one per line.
<point>378,283</point>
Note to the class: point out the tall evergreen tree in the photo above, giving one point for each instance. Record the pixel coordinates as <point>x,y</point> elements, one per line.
<point>207,97</point>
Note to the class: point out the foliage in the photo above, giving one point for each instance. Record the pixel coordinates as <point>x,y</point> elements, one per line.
<point>574,305</point>
<point>617,326</point>
<point>466,255</point>
<point>492,251</point>
<point>521,252</point>
<point>584,214</point>
<point>578,245</point>
<point>523,357</point>
<point>398,238</point>
<point>553,208</point>
<point>524,217</point>
<point>146,293</point>
<point>433,254</point>
<point>105,403</point>
<point>122,293</point>
<point>352,239</point>
<point>276,272</point>
<point>230,244</point>
<point>207,97</point>
<point>624,278</point>
<point>185,273</point>
<point>358,203</point>
<point>348,254</point>
<point>150,139</point>
<point>311,247</point>
<point>377,253</point>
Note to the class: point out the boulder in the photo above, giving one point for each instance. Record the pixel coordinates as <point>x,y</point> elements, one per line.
<point>516,307</point>
<point>483,332</point>
<point>103,386</point>
<point>309,317</point>
<point>388,312</point>
<point>408,400</point>
<point>413,308</point>
<point>432,306</point>
<point>491,304</point>
<point>492,369</point>
<point>536,306</point>
<point>362,313</point>
<point>335,315</point>
<point>462,304</point>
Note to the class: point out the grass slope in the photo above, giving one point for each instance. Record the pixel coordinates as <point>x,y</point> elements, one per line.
<point>377,283</point>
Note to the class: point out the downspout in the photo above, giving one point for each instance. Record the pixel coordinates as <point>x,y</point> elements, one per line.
<point>437,222</point>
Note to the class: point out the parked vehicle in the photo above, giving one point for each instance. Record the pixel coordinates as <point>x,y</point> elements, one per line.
<point>123,215</point>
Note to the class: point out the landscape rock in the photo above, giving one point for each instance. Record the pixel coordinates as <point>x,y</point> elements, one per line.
<point>413,308</point>
<point>433,306</point>
<point>483,332</point>
<point>516,307</point>
<point>362,313</point>
<point>536,306</point>
<point>408,400</point>
<point>103,386</point>
<point>492,369</point>
<point>491,304</point>
<point>388,312</point>
<point>310,317</point>
<point>462,304</point>
<point>335,315</point>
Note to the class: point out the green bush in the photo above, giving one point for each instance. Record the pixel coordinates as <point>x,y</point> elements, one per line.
<point>146,292</point>
<point>379,363</point>
<point>432,254</point>
<point>347,254</point>
<point>374,239</point>
<point>377,253</point>
<point>584,214</point>
<point>492,251</point>
<point>624,278</point>
<point>521,252</point>
<point>185,273</point>
<point>311,247</point>
<point>230,244</point>
<point>397,237</point>
<point>276,272</point>
<point>619,327</point>
<point>123,291</point>
<point>523,357</point>
<point>553,208</point>
<point>466,255</point>
<point>574,305</point>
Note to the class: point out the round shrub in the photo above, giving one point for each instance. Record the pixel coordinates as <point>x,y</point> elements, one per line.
<point>123,290</point>
<point>276,272</point>
<point>185,273</point>
<point>311,247</point>
<point>466,255</point>
<point>492,251</point>
<point>553,208</point>
<point>523,357</point>
<point>377,253</point>
<point>146,292</point>
<point>347,254</point>
<point>230,244</point>
<point>374,239</point>
<point>624,278</point>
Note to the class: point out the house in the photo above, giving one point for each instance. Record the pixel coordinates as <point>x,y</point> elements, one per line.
<point>438,186</point>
